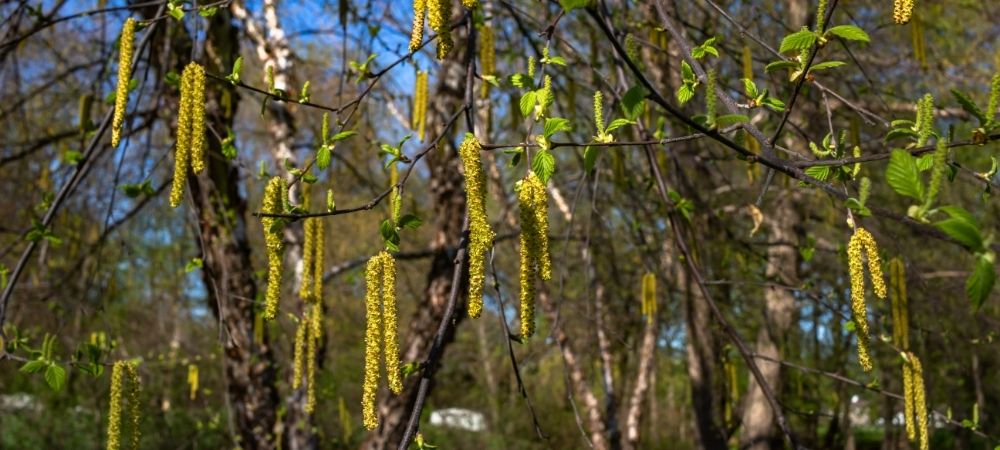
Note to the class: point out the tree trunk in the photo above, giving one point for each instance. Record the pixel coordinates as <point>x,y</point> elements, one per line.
<point>227,272</point>
<point>758,418</point>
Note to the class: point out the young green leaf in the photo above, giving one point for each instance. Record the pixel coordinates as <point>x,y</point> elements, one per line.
<point>962,227</point>
<point>799,40</point>
<point>969,106</point>
<point>979,285</point>
<point>849,32</point>
<point>544,164</point>
<point>903,176</point>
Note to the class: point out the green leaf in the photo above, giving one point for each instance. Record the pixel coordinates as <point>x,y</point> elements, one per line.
<point>969,106</point>
<point>554,125</point>
<point>773,103</point>
<point>750,87</point>
<point>687,74</point>
<point>849,32</point>
<point>778,65</point>
<point>343,135</point>
<point>323,157</point>
<point>825,65</point>
<point>175,11</point>
<point>55,376</point>
<point>618,123</point>
<point>962,227</point>
<point>979,285</point>
<point>208,11</point>
<point>820,173</point>
<point>33,366</point>
<point>410,221</point>
<point>685,93</point>
<point>558,60</point>
<point>633,102</point>
<point>389,235</point>
<point>590,155</point>
<point>193,264</point>
<point>569,5</point>
<point>527,103</point>
<point>521,80</point>
<point>544,164</point>
<point>228,145</point>
<point>903,176</point>
<point>234,76</point>
<point>798,40</point>
<point>898,133</point>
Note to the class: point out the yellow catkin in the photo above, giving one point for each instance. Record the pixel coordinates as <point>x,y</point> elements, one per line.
<point>900,316</point>
<point>192,381</point>
<point>470,3</point>
<point>197,120</point>
<point>481,235</point>
<point>487,56</point>
<point>747,59</point>
<point>134,390</point>
<point>318,265</point>
<point>417,33</point>
<point>542,227</point>
<point>182,154</point>
<point>273,204</point>
<point>115,406</point>
<point>919,401</point>
<point>438,14</point>
<point>919,45</point>
<point>312,345</point>
<point>857,272</point>
<point>902,11</point>
<point>874,262</point>
<point>531,200</point>
<point>908,407</point>
<point>309,237</point>
<point>124,77</point>
<point>390,324</point>
<point>299,352</point>
<point>420,104</point>
<point>373,340</point>
<point>649,296</point>
<point>125,388</point>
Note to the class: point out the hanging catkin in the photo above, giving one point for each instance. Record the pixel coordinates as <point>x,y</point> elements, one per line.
<point>381,331</point>
<point>124,376</point>
<point>438,13</point>
<point>649,297</point>
<point>534,254</point>
<point>901,11</point>
<point>915,399</point>
<point>420,104</point>
<point>919,46</point>
<point>273,204</point>
<point>124,77</point>
<point>862,241</point>
<point>299,352</point>
<point>312,353</point>
<point>190,149</point>
<point>487,57</point>
<point>373,341</point>
<point>481,235</point>
<point>417,33</point>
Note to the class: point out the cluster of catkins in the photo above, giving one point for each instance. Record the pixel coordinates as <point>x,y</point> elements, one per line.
<point>125,388</point>
<point>310,328</point>
<point>914,401</point>
<point>862,241</point>
<point>380,332</point>
<point>438,12</point>
<point>481,235</point>
<point>536,261</point>
<point>190,150</point>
